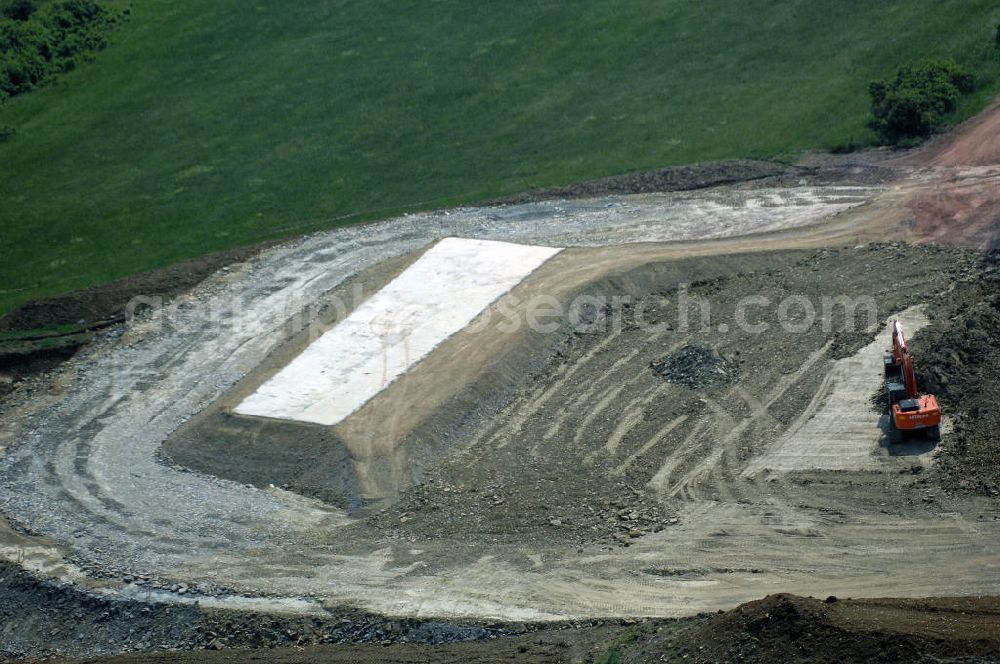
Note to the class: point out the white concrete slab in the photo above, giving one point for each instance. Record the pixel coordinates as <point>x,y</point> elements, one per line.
<point>438,295</point>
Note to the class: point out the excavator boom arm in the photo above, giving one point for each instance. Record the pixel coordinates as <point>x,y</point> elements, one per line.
<point>902,353</point>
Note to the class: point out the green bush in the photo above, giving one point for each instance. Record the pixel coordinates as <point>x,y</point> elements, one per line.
<point>36,44</point>
<point>6,133</point>
<point>918,100</point>
<point>19,10</point>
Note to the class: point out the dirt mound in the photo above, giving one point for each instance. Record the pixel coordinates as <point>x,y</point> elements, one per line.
<point>677,178</point>
<point>786,628</point>
<point>22,360</point>
<point>696,367</point>
<point>958,359</point>
<point>107,303</point>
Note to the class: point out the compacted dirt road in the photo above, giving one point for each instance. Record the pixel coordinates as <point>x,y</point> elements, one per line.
<point>546,474</point>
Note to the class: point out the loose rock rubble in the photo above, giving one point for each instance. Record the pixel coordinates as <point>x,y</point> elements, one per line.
<point>697,367</point>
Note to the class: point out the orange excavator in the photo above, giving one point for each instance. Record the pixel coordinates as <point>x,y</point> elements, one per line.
<point>910,412</point>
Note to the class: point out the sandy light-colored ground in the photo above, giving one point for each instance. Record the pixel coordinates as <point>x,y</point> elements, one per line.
<point>838,430</point>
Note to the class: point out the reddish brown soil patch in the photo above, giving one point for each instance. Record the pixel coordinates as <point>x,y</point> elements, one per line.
<point>964,212</point>
<point>975,142</point>
<point>960,202</point>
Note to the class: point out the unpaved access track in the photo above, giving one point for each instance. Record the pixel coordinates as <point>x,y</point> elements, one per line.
<point>522,475</point>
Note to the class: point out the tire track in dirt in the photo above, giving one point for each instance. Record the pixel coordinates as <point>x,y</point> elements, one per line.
<point>632,414</point>
<point>657,438</point>
<point>585,397</point>
<point>725,449</point>
<point>688,445</point>
<point>638,404</point>
<point>545,395</point>
<point>837,435</point>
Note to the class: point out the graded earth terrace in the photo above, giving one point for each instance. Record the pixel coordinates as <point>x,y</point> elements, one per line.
<point>647,461</point>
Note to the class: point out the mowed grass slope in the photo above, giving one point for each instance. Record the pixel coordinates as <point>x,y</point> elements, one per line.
<point>213,124</point>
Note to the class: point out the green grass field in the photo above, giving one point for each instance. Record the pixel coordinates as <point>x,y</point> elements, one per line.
<point>211,124</point>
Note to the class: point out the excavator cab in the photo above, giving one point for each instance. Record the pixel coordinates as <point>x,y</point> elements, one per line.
<point>910,412</point>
